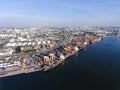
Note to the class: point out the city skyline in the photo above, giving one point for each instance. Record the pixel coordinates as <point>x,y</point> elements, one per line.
<point>59,13</point>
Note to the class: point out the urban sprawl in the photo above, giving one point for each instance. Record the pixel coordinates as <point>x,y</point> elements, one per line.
<point>25,50</point>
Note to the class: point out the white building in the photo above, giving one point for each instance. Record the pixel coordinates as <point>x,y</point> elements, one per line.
<point>7,52</point>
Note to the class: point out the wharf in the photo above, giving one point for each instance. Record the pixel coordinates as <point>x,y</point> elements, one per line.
<point>20,72</point>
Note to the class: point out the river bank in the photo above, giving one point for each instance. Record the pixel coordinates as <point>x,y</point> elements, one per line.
<point>96,68</point>
<point>50,60</point>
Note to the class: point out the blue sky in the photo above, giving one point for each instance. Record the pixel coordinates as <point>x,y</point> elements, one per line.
<point>59,12</point>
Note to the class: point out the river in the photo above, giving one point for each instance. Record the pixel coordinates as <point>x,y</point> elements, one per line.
<point>96,68</point>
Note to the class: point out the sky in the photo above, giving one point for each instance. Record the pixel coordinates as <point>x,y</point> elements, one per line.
<point>59,13</point>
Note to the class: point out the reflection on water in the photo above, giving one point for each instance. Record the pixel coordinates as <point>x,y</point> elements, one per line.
<point>96,68</point>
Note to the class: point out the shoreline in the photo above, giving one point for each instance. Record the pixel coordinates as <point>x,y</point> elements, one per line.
<point>26,71</point>
<point>36,69</point>
<point>19,72</point>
